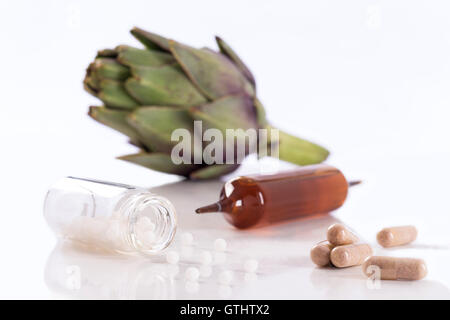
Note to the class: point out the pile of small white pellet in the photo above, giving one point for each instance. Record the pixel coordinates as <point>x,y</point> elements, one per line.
<point>109,232</point>
<point>205,259</point>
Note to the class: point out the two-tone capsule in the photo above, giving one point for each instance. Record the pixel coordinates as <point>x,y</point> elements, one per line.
<point>396,236</point>
<point>392,268</point>
<point>339,235</point>
<point>350,255</point>
<point>320,253</point>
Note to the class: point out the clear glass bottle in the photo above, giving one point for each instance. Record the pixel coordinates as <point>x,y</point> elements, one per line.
<point>111,216</point>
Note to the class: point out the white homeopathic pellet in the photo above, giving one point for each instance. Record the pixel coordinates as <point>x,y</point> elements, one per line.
<point>187,239</point>
<point>149,237</point>
<point>146,224</point>
<point>205,271</point>
<point>225,277</point>
<point>251,265</point>
<point>191,286</point>
<point>220,257</point>
<point>225,291</point>
<point>172,257</point>
<point>192,274</point>
<point>173,270</point>
<point>206,258</point>
<point>113,232</point>
<point>220,244</point>
<point>250,277</point>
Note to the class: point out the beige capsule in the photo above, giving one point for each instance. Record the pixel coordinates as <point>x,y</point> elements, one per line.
<point>396,236</point>
<point>320,253</point>
<point>392,268</point>
<point>350,255</point>
<point>339,235</point>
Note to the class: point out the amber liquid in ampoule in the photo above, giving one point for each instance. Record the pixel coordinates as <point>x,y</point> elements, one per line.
<point>261,200</point>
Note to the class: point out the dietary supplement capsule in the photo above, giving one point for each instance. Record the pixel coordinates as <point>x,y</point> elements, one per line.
<point>320,253</point>
<point>396,236</point>
<point>192,274</point>
<point>350,255</point>
<point>339,235</point>
<point>392,268</point>
<point>251,265</point>
<point>220,244</point>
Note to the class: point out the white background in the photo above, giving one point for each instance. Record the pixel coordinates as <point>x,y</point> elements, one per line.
<point>370,80</point>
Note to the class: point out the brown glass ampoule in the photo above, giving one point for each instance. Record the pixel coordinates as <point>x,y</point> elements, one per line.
<point>261,200</point>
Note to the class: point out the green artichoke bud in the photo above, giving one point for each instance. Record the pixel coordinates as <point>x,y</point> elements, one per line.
<point>148,93</point>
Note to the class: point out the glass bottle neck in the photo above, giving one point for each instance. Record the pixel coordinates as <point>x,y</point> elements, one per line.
<point>150,222</point>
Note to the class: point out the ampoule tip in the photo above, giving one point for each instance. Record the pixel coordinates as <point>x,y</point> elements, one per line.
<point>215,207</point>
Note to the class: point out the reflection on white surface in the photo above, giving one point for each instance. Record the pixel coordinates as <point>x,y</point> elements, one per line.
<point>89,275</point>
<point>82,274</point>
<point>347,283</point>
<point>350,283</point>
<point>285,270</point>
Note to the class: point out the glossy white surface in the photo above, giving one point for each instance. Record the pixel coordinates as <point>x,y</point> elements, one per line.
<point>368,79</point>
<point>285,270</point>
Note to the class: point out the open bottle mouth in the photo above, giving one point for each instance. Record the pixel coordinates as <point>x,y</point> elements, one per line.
<point>151,222</point>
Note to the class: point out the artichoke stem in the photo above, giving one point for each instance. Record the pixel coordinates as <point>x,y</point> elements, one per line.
<point>299,151</point>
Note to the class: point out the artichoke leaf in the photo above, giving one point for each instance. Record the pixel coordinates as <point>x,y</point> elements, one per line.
<point>108,68</point>
<point>213,74</point>
<point>226,50</point>
<point>159,162</point>
<point>91,81</point>
<point>230,112</point>
<point>260,113</point>
<point>213,171</point>
<point>115,119</point>
<point>150,40</point>
<point>166,85</point>
<point>107,53</point>
<point>156,124</point>
<point>133,57</point>
<point>88,87</point>
<point>113,94</point>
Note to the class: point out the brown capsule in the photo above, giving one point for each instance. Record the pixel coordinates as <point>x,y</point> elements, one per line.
<point>320,253</point>
<point>392,268</point>
<point>350,255</point>
<point>339,235</point>
<point>396,236</point>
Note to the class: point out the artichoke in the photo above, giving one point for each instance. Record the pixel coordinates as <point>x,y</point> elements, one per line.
<point>148,93</point>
